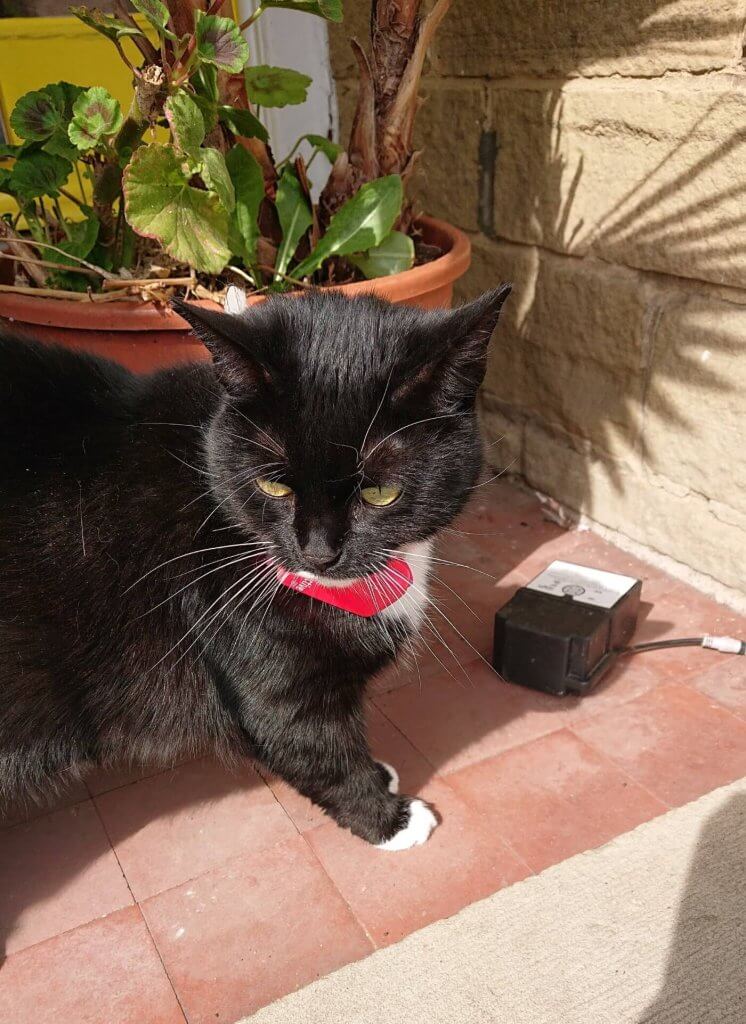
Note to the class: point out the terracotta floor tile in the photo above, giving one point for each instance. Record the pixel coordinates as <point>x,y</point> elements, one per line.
<point>105,972</point>
<point>174,826</point>
<point>675,741</point>
<point>56,873</point>
<point>680,611</point>
<point>393,894</point>
<point>252,930</point>
<point>725,683</point>
<point>457,721</point>
<point>17,814</point>
<point>554,797</point>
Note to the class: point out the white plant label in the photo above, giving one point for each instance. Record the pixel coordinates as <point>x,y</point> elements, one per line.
<point>582,583</point>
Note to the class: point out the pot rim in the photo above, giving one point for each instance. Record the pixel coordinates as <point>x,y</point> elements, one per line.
<point>123,316</point>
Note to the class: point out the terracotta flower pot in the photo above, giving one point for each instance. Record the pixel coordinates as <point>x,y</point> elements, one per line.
<point>145,338</point>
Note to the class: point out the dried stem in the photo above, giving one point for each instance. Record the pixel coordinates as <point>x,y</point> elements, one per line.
<point>22,251</point>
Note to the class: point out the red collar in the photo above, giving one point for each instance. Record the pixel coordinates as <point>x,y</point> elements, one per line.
<point>365,596</point>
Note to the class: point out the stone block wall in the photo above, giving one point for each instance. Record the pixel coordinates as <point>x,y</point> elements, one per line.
<point>596,154</point>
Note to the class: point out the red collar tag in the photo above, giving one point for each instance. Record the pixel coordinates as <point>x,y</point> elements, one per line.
<point>366,596</point>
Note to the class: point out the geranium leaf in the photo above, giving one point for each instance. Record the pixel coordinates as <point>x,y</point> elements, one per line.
<point>191,224</point>
<point>243,123</point>
<point>394,254</point>
<point>107,24</point>
<point>362,223</point>
<point>215,175</point>
<point>83,237</point>
<point>39,174</point>
<point>295,217</point>
<point>156,13</point>
<point>186,123</point>
<point>275,87</point>
<point>219,42</point>
<point>248,185</point>
<point>331,150</point>
<point>96,114</point>
<point>329,9</point>
<point>37,115</point>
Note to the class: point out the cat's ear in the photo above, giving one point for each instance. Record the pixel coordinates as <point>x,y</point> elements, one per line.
<point>457,344</point>
<point>238,362</point>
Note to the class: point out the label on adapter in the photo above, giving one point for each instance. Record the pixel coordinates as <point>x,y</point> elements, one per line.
<point>582,583</point>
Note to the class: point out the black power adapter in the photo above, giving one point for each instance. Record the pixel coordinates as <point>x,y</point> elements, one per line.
<point>561,632</point>
<point>564,630</point>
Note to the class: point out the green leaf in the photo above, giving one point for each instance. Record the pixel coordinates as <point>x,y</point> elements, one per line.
<point>156,13</point>
<point>329,9</point>
<point>276,87</point>
<point>60,145</point>
<point>362,223</point>
<point>248,184</point>
<point>37,115</point>
<point>394,254</point>
<point>106,24</point>
<point>295,217</point>
<point>39,174</point>
<point>219,42</point>
<point>243,123</point>
<point>8,150</point>
<point>5,181</point>
<point>205,81</point>
<point>215,175</point>
<point>331,150</point>
<point>186,123</point>
<point>83,237</point>
<point>190,224</point>
<point>95,114</point>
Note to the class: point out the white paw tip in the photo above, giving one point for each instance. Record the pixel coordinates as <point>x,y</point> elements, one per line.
<point>417,831</point>
<point>393,776</point>
<point>235,301</point>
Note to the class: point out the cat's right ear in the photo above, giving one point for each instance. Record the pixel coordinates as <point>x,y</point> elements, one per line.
<point>239,365</point>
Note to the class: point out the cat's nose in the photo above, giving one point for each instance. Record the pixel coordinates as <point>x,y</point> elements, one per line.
<point>318,553</point>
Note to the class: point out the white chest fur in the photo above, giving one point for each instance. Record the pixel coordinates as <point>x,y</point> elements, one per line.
<point>411,607</point>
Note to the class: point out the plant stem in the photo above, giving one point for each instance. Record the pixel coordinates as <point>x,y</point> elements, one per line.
<point>71,197</point>
<point>77,259</point>
<point>61,220</point>
<point>252,18</point>
<point>46,263</point>
<point>80,182</point>
<point>285,277</point>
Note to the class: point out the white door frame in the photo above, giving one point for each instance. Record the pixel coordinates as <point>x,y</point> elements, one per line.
<point>289,39</point>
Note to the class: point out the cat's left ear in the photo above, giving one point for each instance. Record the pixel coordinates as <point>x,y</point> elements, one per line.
<point>463,336</point>
<point>239,362</point>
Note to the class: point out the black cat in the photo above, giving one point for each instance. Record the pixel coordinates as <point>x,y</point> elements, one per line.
<point>145,523</point>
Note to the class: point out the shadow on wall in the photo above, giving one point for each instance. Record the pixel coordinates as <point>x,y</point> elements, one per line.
<point>705,980</point>
<point>609,379</point>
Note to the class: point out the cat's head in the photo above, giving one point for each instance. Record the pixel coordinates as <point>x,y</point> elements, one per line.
<point>347,427</point>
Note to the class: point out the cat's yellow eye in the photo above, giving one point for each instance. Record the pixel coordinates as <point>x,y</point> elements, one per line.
<point>274,488</point>
<point>380,496</point>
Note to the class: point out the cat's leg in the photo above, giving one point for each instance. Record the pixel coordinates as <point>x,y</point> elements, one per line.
<point>359,793</point>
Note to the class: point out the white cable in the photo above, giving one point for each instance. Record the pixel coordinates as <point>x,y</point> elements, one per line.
<point>724,644</point>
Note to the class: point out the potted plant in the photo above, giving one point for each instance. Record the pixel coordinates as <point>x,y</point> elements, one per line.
<point>182,194</point>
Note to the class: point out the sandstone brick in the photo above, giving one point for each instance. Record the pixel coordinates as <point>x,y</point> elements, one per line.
<point>695,424</point>
<point>449,125</point>
<point>582,309</point>
<point>356,25</point>
<point>589,37</point>
<point>646,174</point>
<point>503,432</point>
<point>651,510</point>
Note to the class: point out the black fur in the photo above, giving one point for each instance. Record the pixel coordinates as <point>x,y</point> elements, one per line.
<point>113,649</point>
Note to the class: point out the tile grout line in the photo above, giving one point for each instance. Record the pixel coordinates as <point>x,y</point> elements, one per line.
<point>622,771</point>
<point>336,888</point>
<point>444,780</point>
<point>140,912</point>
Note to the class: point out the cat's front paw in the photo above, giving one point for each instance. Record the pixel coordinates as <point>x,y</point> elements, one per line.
<point>420,823</point>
